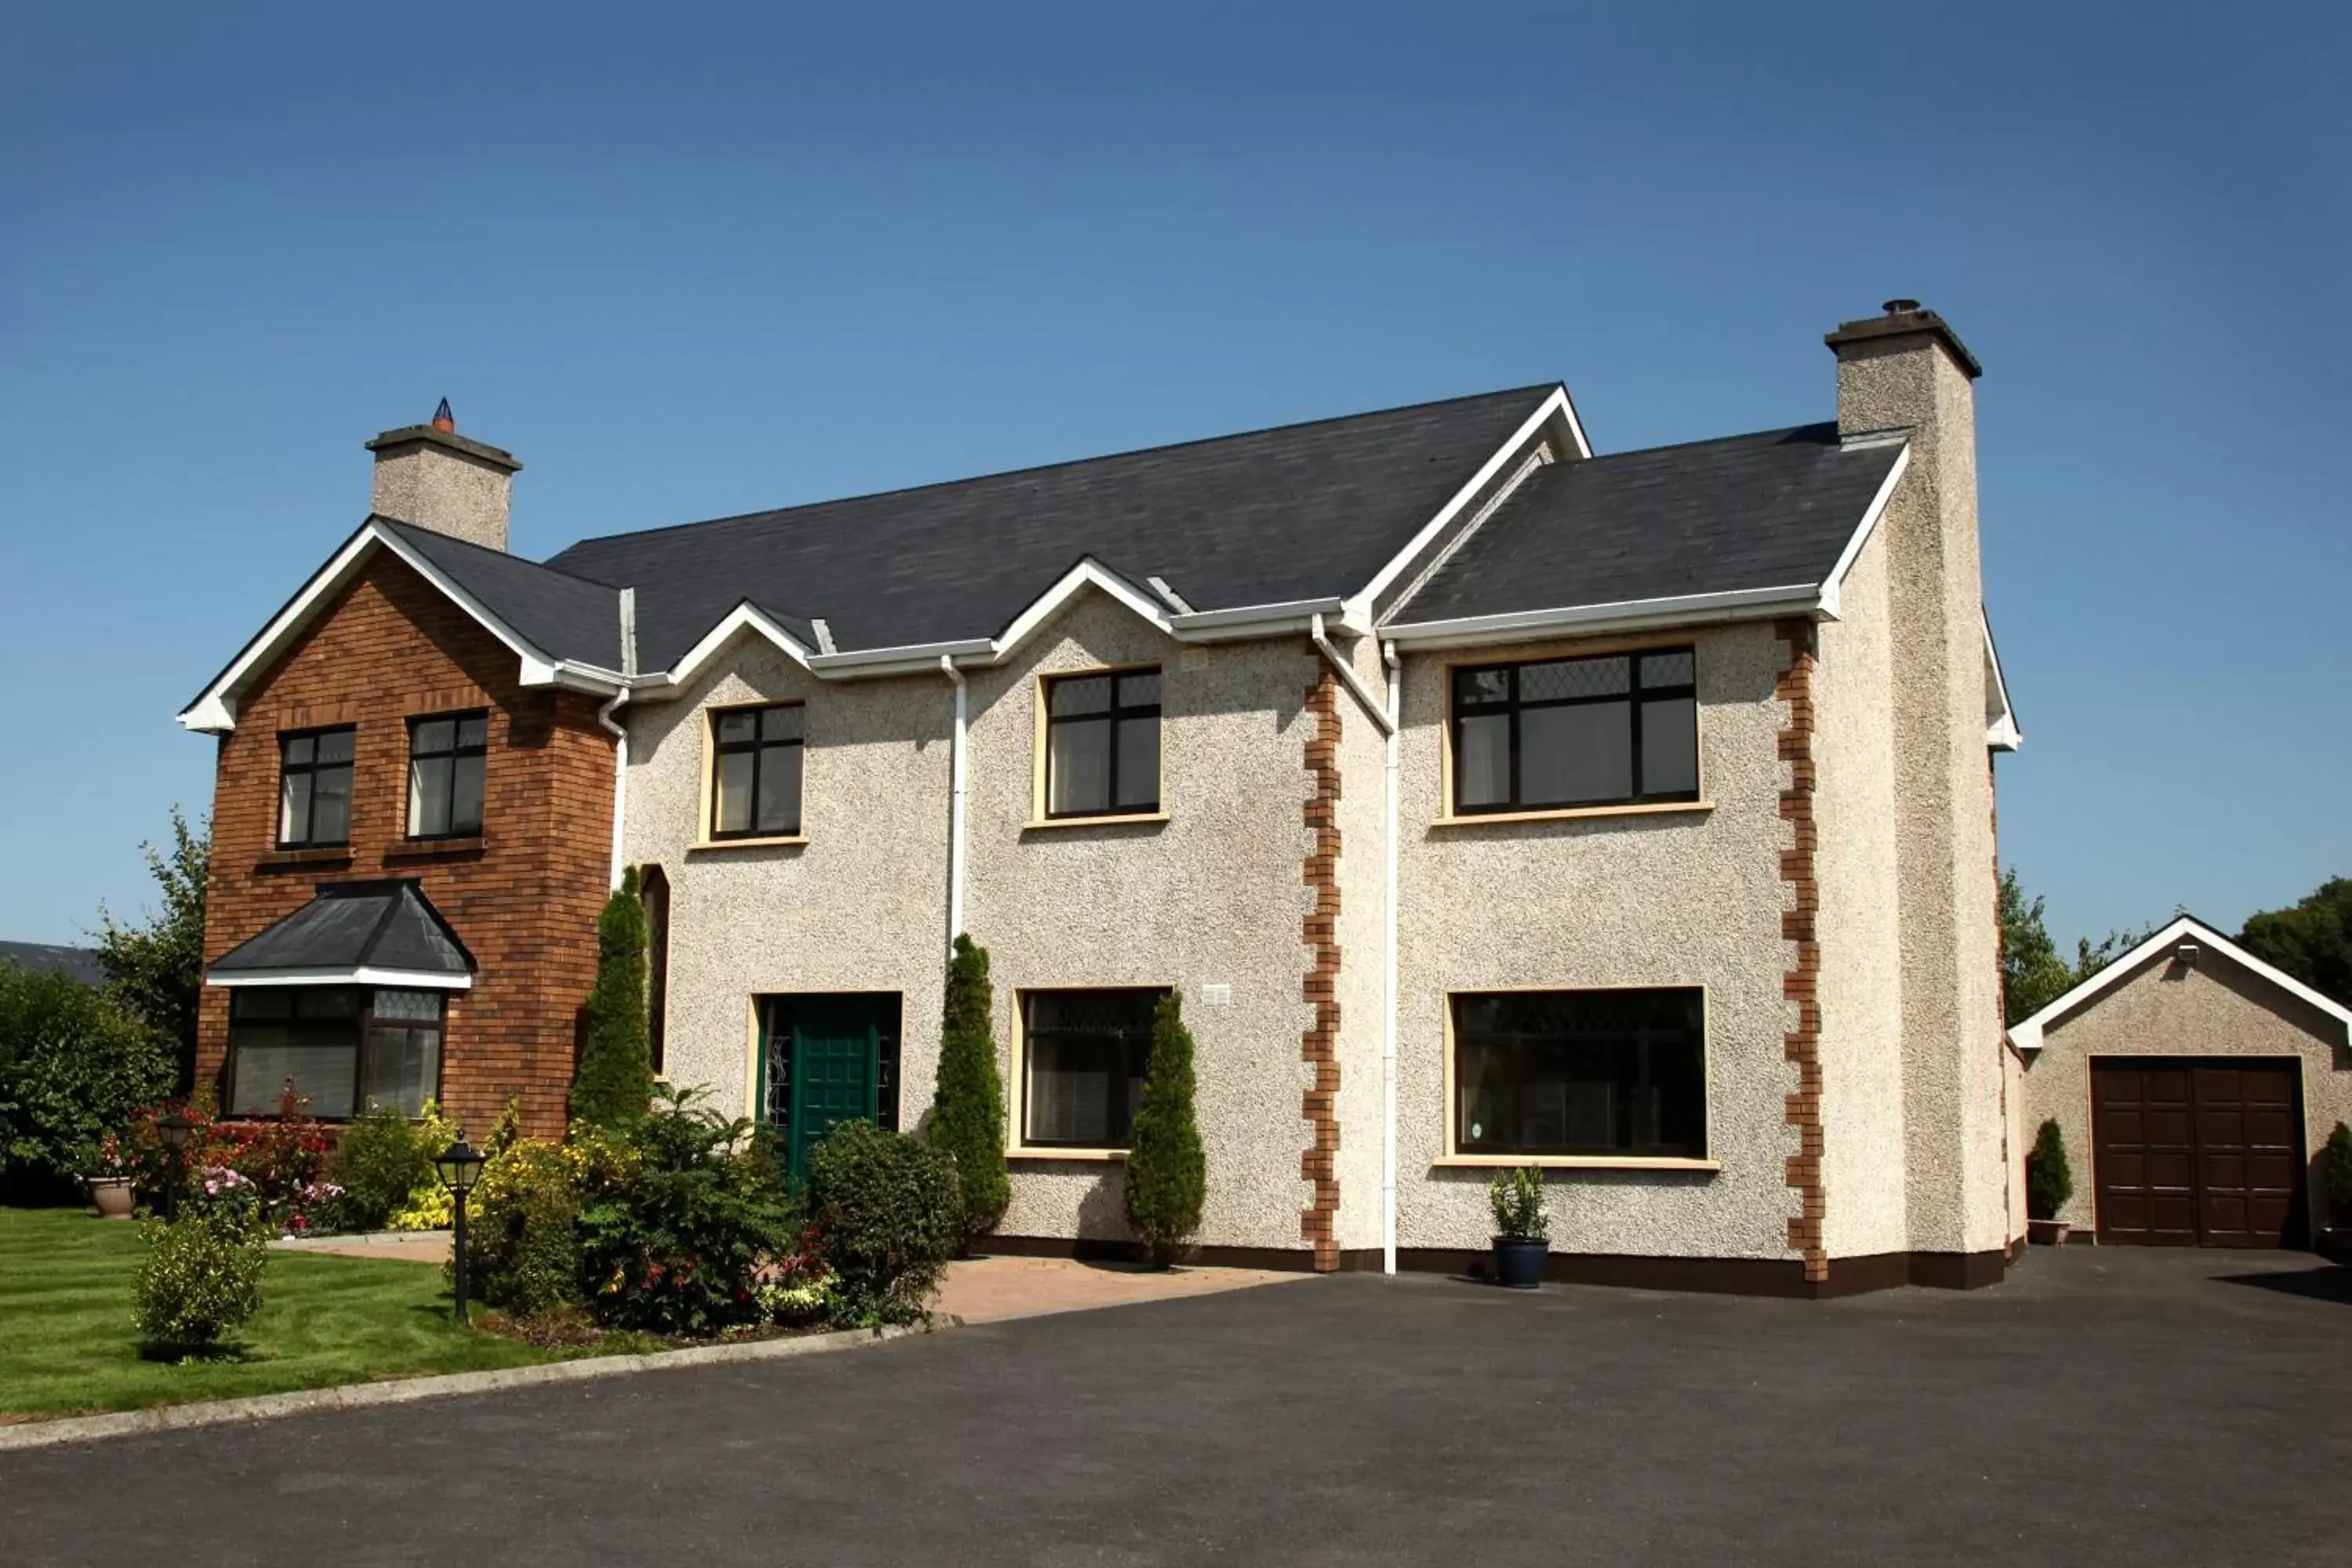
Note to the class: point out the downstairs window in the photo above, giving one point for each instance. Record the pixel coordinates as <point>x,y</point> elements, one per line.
<point>1082,1079</point>
<point>344,1048</point>
<point>1581,1072</point>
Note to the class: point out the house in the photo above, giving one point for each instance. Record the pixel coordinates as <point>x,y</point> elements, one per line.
<point>2195,1086</point>
<point>1488,800</point>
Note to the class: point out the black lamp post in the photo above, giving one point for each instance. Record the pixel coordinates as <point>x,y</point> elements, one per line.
<point>174,1129</point>
<point>459,1166</point>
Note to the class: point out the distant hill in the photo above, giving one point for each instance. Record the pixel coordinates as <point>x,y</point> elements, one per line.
<point>80,963</point>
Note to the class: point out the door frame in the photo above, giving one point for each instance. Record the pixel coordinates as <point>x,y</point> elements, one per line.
<point>2091,1060</point>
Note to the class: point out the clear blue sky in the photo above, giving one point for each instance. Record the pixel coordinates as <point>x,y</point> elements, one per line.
<point>688,262</point>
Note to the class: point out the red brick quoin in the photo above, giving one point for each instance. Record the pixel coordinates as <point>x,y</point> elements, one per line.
<point>523,897</point>
<point>1319,1047</point>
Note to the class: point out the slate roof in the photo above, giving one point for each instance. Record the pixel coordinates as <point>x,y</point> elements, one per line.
<point>79,964</point>
<point>1765,510</point>
<point>1305,511</point>
<point>562,615</point>
<point>386,925</point>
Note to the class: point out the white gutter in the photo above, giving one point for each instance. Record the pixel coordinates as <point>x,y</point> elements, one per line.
<point>1690,609</point>
<point>1389,980</point>
<point>620,732</point>
<point>1348,674</point>
<point>955,811</point>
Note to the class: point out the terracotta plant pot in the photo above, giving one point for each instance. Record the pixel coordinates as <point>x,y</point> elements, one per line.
<point>112,1196</point>
<point>1520,1261</point>
<point>2048,1232</point>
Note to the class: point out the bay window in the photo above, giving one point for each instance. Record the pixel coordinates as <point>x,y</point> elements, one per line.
<point>344,1048</point>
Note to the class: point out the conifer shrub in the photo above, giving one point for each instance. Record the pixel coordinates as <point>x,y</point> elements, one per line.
<point>2335,1173</point>
<point>887,1211</point>
<point>1167,1172</point>
<point>615,1083</point>
<point>968,1111</point>
<point>2049,1179</point>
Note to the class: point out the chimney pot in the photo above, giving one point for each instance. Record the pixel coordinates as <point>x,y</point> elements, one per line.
<point>445,420</point>
<point>1893,308</point>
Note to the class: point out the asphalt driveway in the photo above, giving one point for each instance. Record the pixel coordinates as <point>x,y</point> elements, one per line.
<point>2102,1407</point>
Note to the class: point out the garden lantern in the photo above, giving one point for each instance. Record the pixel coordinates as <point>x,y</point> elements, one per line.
<point>174,1129</point>
<point>459,1166</point>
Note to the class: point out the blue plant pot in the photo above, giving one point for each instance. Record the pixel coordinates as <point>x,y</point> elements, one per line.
<point>1520,1261</point>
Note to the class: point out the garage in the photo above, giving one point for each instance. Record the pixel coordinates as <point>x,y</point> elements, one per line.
<point>2192,1084</point>
<point>2198,1153</point>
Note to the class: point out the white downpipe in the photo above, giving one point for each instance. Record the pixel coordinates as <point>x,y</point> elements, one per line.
<point>620,778</point>
<point>1388,979</point>
<point>955,814</point>
<point>1355,682</point>
<point>620,732</point>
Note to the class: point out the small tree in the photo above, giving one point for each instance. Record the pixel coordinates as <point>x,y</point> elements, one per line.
<point>2335,1173</point>
<point>615,1083</point>
<point>1166,1174</point>
<point>2048,1180</point>
<point>968,1108</point>
<point>155,970</point>
<point>2311,940</point>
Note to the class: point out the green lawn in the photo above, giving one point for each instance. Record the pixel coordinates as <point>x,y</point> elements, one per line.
<point>66,1343</point>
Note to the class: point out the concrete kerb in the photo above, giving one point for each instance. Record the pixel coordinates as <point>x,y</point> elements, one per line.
<point>402,1391</point>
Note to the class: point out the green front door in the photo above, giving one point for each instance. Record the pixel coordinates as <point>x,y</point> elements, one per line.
<point>828,1060</point>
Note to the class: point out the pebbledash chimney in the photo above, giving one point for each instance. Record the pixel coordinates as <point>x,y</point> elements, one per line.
<point>430,475</point>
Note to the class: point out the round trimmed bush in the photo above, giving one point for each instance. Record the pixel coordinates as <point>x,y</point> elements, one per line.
<point>889,1214</point>
<point>201,1279</point>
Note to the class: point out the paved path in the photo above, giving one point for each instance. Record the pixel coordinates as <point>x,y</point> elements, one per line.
<point>2104,1407</point>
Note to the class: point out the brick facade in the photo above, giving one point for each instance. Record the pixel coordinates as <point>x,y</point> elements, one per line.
<point>1801,984</point>
<point>1319,1046</point>
<point>523,897</point>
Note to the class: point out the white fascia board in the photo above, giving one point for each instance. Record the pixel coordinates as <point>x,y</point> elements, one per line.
<point>746,616</point>
<point>910,659</point>
<point>2027,1035</point>
<point>1251,620</point>
<point>1086,574</point>
<point>1360,604</point>
<point>410,979</point>
<point>1834,583</point>
<point>214,711</point>
<point>2001,733</point>
<point>1632,614</point>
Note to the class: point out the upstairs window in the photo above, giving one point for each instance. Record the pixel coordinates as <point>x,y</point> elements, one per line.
<point>1616,730</point>
<point>755,776</point>
<point>1083,1079</point>
<point>446,758</point>
<point>1102,744</point>
<point>314,788</point>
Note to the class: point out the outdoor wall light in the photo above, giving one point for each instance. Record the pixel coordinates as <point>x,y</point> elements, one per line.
<point>174,1129</point>
<point>459,1166</point>
<point>2188,953</point>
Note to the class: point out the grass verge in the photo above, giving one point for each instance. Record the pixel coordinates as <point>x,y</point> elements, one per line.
<point>67,1344</point>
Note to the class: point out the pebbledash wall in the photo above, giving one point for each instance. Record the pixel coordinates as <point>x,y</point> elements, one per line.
<point>1676,896</point>
<point>523,897</point>
<point>1214,895</point>
<point>2163,1008</point>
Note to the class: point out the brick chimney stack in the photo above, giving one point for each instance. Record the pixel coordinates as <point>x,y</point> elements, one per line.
<point>430,475</point>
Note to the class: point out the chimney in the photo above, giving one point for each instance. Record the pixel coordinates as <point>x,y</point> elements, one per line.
<point>1906,371</point>
<point>430,475</point>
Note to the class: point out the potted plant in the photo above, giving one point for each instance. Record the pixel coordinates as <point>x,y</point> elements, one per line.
<point>1523,1233</point>
<point>109,1187</point>
<point>2336,1179</point>
<point>2049,1183</point>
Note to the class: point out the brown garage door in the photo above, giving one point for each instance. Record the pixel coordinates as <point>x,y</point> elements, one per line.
<point>2198,1151</point>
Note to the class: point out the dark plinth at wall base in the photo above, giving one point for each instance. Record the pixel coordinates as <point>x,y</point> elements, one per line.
<point>1716,1276</point>
<point>1101,1250</point>
<point>1736,1276</point>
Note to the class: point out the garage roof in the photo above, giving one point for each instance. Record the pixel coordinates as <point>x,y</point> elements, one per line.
<point>2026,1035</point>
